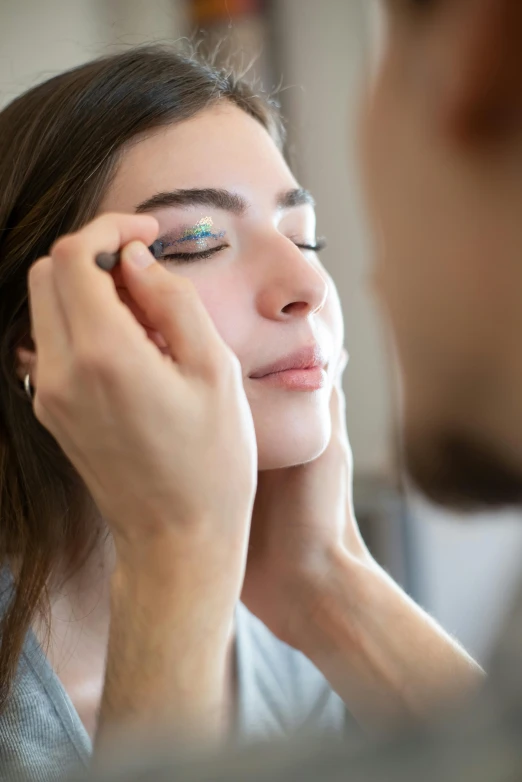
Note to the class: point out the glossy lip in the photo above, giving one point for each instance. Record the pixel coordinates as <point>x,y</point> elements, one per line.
<point>296,379</point>
<point>310,357</point>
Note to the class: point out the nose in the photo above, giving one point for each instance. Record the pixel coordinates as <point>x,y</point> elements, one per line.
<point>293,283</point>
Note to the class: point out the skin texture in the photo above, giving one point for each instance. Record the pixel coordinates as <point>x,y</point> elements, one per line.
<point>441,137</point>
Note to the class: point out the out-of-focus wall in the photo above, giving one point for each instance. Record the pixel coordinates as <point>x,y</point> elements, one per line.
<point>39,39</point>
<point>468,571</point>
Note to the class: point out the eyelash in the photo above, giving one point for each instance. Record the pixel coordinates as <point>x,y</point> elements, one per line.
<point>201,256</point>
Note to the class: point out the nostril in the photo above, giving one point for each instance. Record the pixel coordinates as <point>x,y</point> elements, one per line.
<point>296,308</point>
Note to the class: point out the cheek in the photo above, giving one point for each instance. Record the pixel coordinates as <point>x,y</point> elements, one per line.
<point>227,302</point>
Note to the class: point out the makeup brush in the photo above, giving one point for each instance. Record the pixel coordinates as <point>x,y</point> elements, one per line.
<point>107,261</point>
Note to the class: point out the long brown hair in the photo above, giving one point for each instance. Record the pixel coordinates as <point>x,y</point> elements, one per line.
<point>59,147</point>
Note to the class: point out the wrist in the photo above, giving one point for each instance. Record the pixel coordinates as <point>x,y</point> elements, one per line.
<point>383,655</point>
<point>182,575</point>
<point>168,608</point>
<point>331,600</point>
<point>167,659</point>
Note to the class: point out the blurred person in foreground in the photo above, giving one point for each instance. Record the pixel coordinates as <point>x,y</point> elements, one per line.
<point>442,147</point>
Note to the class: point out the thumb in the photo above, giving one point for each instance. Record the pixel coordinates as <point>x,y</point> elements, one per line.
<point>171,305</point>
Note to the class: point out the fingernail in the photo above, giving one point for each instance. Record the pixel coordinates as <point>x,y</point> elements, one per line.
<point>138,255</point>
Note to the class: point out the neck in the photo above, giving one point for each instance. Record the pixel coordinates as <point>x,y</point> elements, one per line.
<point>80,610</point>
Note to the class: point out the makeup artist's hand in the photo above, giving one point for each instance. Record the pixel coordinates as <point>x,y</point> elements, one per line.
<point>156,436</point>
<point>302,516</point>
<point>311,579</point>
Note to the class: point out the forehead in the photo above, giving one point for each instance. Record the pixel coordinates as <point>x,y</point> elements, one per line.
<point>220,147</point>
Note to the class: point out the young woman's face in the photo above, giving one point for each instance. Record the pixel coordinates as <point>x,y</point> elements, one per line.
<point>236,223</point>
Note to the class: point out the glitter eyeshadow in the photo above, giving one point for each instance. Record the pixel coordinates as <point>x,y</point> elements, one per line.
<point>200,233</point>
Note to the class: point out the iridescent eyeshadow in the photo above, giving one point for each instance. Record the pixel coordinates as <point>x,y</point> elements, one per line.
<point>200,233</point>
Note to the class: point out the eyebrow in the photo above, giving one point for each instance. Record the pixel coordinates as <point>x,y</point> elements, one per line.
<point>297,197</point>
<point>220,199</point>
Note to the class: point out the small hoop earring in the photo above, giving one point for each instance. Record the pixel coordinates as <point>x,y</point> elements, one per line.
<point>28,387</point>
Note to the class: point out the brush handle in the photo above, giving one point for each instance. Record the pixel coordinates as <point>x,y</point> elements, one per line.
<point>107,261</point>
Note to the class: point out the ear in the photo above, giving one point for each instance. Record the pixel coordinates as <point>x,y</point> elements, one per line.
<point>25,362</point>
<point>483,90</point>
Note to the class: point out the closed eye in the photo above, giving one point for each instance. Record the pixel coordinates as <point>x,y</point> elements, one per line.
<point>316,248</point>
<point>319,245</point>
<point>188,257</point>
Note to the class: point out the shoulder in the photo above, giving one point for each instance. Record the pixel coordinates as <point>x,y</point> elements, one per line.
<point>38,737</point>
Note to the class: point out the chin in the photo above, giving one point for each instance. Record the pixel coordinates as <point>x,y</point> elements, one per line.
<point>461,471</point>
<point>287,440</point>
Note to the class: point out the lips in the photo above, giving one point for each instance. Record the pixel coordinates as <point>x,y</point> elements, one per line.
<point>306,358</point>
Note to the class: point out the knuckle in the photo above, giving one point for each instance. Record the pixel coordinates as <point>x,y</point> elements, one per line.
<point>107,218</point>
<point>105,222</point>
<point>213,371</point>
<point>66,247</point>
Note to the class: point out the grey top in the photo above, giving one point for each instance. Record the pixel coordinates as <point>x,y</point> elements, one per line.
<point>279,693</point>
<point>478,742</point>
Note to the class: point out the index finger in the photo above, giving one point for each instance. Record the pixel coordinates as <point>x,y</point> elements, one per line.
<point>88,294</point>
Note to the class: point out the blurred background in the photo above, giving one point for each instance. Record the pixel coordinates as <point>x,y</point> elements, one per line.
<point>318,53</point>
